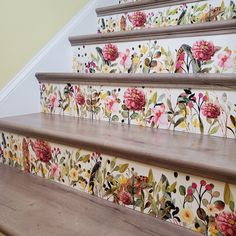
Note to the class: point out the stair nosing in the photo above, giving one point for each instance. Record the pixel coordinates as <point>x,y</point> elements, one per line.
<point>139,154</point>
<point>162,80</point>
<point>180,31</point>
<point>141,5</point>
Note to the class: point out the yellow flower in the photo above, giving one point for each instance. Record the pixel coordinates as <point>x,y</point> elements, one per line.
<point>123,180</point>
<point>135,60</point>
<point>6,154</point>
<point>45,171</point>
<point>186,215</point>
<point>106,69</point>
<point>182,125</point>
<point>213,230</point>
<point>87,174</point>
<point>195,123</point>
<point>15,158</point>
<point>144,49</point>
<point>74,175</point>
<point>36,169</point>
<point>103,96</point>
<point>82,185</point>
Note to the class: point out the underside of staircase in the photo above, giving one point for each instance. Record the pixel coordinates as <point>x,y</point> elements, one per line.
<point>139,138</point>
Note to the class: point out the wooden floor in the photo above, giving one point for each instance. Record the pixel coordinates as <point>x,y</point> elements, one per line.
<point>210,157</point>
<point>33,206</point>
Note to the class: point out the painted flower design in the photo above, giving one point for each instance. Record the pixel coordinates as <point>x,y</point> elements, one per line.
<point>52,101</point>
<point>55,170</point>
<point>225,60</point>
<point>158,115</point>
<point>226,222</point>
<point>211,110</point>
<point>138,19</point>
<point>74,175</point>
<point>187,216</point>
<point>111,104</point>
<point>80,99</point>
<point>110,52</point>
<point>42,150</point>
<point>134,99</point>
<point>125,198</point>
<point>203,50</point>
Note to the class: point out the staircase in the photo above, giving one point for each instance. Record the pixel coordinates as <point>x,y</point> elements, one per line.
<point>144,127</point>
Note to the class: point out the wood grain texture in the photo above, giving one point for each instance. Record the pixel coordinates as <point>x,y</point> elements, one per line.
<point>140,5</point>
<point>31,205</point>
<point>202,29</point>
<point>210,157</point>
<point>202,81</point>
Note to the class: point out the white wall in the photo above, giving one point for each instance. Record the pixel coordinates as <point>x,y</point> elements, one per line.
<point>21,95</point>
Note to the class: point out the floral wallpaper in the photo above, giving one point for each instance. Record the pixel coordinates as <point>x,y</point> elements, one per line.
<point>210,54</point>
<point>127,1</point>
<point>191,13</point>
<point>190,110</point>
<point>202,205</point>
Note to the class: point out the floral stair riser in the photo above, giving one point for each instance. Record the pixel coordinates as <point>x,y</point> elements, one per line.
<point>200,12</point>
<point>196,111</point>
<point>203,205</point>
<point>208,54</point>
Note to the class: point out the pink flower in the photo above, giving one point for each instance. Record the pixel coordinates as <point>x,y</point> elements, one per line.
<point>125,59</point>
<point>210,110</point>
<point>138,19</point>
<point>225,60</point>
<point>190,191</point>
<point>194,185</point>
<point>158,115</point>
<point>134,99</point>
<point>110,52</point>
<point>180,61</point>
<point>209,187</point>
<point>226,222</point>
<point>203,50</point>
<point>42,150</point>
<point>52,101</point>
<point>80,99</point>
<point>54,170</point>
<point>125,197</point>
<point>203,183</point>
<point>111,104</point>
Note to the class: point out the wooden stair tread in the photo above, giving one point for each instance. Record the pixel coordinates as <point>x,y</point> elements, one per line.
<point>210,157</point>
<point>197,80</point>
<point>31,205</point>
<point>200,29</point>
<point>139,5</point>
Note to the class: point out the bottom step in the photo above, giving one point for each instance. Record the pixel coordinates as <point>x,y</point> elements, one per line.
<point>30,205</point>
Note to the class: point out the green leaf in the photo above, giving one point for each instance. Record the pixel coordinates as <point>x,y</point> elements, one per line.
<point>179,121</point>
<point>227,194</point>
<point>205,202</point>
<point>115,118</point>
<point>172,187</point>
<point>138,203</point>
<point>231,206</point>
<point>154,98</point>
<point>214,130</point>
<point>116,168</point>
<point>113,163</point>
<point>123,167</point>
<point>150,176</point>
<point>134,116</point>
<point>84,158</point>
<point>125,114</point>
<point>182,190</point>
<point>202,8</point>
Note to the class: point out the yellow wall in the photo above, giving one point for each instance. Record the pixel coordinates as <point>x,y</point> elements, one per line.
<point>26,26</point>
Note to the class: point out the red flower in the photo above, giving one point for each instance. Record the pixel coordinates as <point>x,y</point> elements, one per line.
<point>203,50</point>
<point>125,198</point>
<point>203,182</point>
<point>138,19</point>
<point>226,223</point>
<point>134,99</point>
<point>110,52</point>
<point>211,110</point>
<point>80,99</point>
<point>42,150</point>
<point>190,191</point>
<point>209,187</point>
<point>194,185</point>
